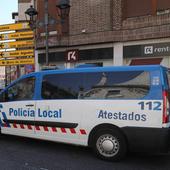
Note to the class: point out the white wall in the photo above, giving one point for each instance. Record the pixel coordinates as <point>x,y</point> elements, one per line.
<point>22,7</point>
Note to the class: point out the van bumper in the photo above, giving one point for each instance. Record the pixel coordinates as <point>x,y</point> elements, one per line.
<point>147,139</point>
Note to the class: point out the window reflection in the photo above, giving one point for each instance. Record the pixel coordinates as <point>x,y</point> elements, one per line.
<point>22,90</point>
<point>96,85</point>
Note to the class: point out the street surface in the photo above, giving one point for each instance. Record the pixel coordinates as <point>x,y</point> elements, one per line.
<point>18,153</point>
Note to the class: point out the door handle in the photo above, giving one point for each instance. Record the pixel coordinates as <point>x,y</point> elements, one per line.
<point>29,105</point>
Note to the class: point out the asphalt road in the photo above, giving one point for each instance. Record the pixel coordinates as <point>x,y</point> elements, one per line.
<point>18,153</point>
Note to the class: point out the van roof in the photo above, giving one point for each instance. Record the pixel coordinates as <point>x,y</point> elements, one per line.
<point>98,69</point>
<point>110,68</point>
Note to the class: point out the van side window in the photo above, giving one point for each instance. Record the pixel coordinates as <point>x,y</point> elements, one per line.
<point>62,86</point>
<point>22,90</point>
<point>96,85</point>
<point>113,85</point>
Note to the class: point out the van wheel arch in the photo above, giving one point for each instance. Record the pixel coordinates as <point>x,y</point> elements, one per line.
<point>103,126</point>
<point>108,142</point>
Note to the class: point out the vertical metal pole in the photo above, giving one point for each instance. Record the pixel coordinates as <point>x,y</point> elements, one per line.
<point>6,76</point>
<point>46,29</point>
<point>6,83</point>
<point>36,65</point>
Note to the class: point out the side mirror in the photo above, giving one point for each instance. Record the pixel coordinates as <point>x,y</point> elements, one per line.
<point>10,96</point>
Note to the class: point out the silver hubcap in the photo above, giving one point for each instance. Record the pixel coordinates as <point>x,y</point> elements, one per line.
<point>107,145</point>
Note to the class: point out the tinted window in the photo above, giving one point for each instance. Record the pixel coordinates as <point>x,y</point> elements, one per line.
<point>100,85</point>
<point>22,90</point>
<point>62,86</point>
<point>110,85</point>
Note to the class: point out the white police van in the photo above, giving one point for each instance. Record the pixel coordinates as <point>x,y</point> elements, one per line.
<point>111,109</point>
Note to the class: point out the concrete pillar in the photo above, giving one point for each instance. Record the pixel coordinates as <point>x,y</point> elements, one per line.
<point>68,65</point>
<point>37,67</point>
<point>118,54</point>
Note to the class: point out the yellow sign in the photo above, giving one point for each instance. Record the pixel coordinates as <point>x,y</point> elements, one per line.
<point>17,44</point>
<point>17,26</point>
<point>17,53</point>
<point>17,35</point>
<point>16,62</point>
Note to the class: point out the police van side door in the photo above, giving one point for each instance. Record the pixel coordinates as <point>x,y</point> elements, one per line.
<point>58,116</point>
<point>18,108</point>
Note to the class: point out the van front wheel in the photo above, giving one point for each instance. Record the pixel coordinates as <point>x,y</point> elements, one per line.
<point>109,144</point>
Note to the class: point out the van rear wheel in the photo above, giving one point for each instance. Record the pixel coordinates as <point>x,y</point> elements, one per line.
<point>109,144</point>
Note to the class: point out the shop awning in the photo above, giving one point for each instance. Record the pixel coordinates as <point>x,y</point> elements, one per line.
<point>150,61</point>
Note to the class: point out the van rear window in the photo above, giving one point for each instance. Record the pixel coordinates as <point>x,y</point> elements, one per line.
<point>96,85</point>
<point>168,77</point>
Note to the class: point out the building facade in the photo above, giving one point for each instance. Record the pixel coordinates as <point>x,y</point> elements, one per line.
<point>23,5</point>
<point>106,32</point>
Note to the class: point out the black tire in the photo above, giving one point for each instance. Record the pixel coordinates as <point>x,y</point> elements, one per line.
<point>109,144</point>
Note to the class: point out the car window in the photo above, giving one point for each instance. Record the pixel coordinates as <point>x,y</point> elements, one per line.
<point>112,85</point>
<point>22,90</point>
<point>96,85</point>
